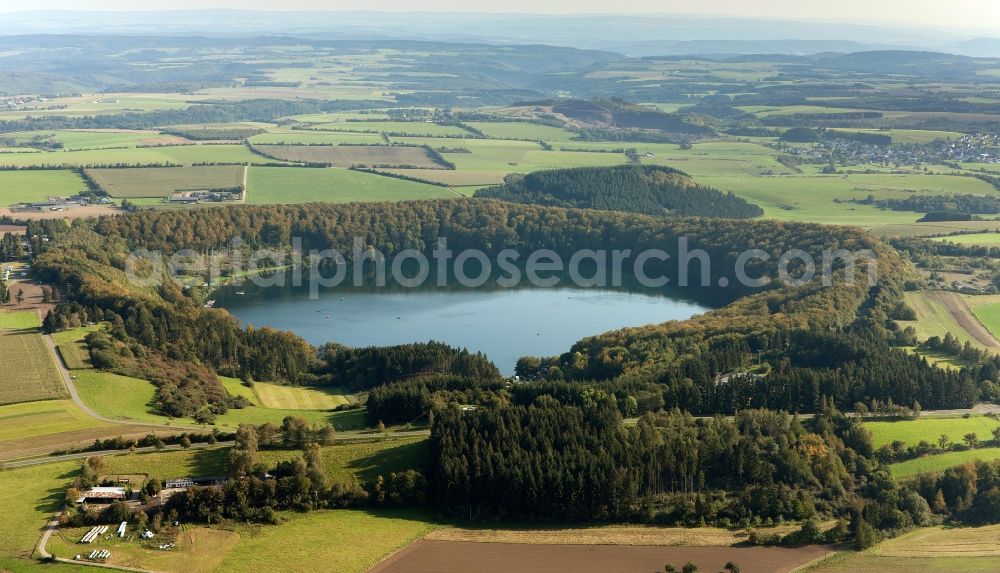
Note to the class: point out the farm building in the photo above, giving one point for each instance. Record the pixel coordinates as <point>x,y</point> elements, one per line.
<point>184,482</point>
<point>102,495</point>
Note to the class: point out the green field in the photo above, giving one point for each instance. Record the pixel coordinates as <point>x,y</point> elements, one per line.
<point>811,198</point>
<point>934,549</point>
<point>364,460</point>
<point>30,419</point>
<point>987,310</point>
<point>452,178</point>
<point>301,136</point>
<point>117,397</point>
<point>95,139</point>
<point>176,154</point>
<point>29,497</point>
<point>235,387</point>
<point>933,318</point>
<point>37,186</point>
<point>19,320</point>
<point>303,185</point>
<point>344,541</point>
<point>930,429</point>
<point>298,397</point>
<point>522,130</point>
<point>130,399</point>
<point>72,348</point>
<point>941,462</point>
<point>417,128</point>
<point>985,239</point>
<point>27,370</point>
<point>163,181</point>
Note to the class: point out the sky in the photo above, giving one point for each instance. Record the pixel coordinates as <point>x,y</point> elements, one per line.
<point>965,14</point>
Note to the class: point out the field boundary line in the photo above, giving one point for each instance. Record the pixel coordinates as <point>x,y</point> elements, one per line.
<point>816,561</point>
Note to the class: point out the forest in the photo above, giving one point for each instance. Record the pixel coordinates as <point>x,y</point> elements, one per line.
<point>649,189</point>
<point>168,320</point>
<point>571,459</point>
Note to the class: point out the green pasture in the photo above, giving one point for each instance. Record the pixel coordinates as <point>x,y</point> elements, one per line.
<point>301,136</point>
<point>933,318</point>
<point>37,186</point>
<point>29,419</point>
<point>417,128</point>
<point>303,185</point>
<point>365,460</point>
<point>179,154</point>
<point>929,429</point>
<point>522,130</point>
<point>941,462</point>
<point>131,400</point>
<point>979,239</point>
<point>813,198</point>
<point>988,313</point>
<point>344,541</point>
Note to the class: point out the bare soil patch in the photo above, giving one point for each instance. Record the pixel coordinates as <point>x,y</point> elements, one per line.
<point>964,317</point>
<point>74,213</point>
<point>62,441</point>
<point>455,557</point>
<point>606,535</point>
<point>165,140</point>
<point>13,229</point>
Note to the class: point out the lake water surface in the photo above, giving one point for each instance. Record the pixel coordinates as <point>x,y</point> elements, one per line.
<point>504,324</point>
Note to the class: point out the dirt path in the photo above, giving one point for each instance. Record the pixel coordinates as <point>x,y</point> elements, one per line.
<point>246,175</point>
<point>963,316</point>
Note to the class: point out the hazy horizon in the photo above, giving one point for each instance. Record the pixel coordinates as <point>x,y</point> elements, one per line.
<point>960,15</point>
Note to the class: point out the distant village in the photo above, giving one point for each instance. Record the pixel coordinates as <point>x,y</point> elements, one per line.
<point>975,148</point>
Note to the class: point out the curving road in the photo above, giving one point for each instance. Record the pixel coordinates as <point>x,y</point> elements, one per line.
<point>71,387</point>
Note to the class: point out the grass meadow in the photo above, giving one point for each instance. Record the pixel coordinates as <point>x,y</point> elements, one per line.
<point>132,400</point>
<point>298,397</point>
<point>175,154</point>
<point>344,541</point>
<point>978,239</point>
<point>941,462</point>
<point>930,429</point>
<point>933,318</point>
<point>933,549</point>
<point>72,347</point>
<point>365,460</point>
<point>267,185</point>
<point>31,419</point>
<point>37,186</point>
